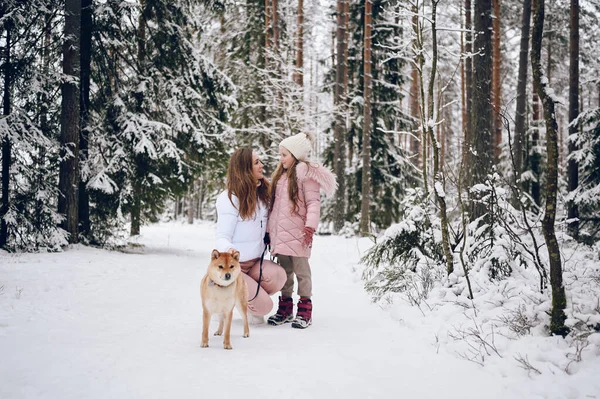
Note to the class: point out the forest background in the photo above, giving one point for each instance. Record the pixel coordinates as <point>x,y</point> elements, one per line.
<point>465,136</point>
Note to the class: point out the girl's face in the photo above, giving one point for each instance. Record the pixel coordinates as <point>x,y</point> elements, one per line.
<point>286,158</point>
<point>257,167</point>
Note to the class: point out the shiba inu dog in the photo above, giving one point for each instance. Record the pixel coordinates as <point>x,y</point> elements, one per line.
<point>222,288</point>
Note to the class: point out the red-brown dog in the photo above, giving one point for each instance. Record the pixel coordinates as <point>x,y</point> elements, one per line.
<point>222,288</point>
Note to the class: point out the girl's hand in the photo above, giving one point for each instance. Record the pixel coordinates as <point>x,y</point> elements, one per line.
<point>307,233</point>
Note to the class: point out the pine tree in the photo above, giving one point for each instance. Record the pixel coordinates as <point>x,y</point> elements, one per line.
<point>31,218</point>
<point>573,165</point>
<point>167,104</point>
<point>68,200</point>
<point>521,103</point>
<point>391,171</point>
<point>6,141</point>
<point>481,154</point>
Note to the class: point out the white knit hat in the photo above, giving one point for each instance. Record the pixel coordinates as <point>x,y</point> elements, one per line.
<point>299,145</point>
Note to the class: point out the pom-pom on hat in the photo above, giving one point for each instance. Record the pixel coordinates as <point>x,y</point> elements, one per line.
<point>299,145</point>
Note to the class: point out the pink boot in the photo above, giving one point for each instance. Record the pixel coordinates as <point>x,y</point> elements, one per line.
<point>285,312</point>
<point>304,314</point>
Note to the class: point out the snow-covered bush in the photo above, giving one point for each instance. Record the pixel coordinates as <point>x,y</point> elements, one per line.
<point>494,241</point>
<point>410,254</point>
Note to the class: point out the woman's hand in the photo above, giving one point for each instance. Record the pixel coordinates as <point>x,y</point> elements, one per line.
<point>307,233</point>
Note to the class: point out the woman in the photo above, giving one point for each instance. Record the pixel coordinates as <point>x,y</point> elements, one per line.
<point>242,212</point>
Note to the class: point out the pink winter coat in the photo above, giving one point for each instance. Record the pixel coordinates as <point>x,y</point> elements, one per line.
<point>285,226</point>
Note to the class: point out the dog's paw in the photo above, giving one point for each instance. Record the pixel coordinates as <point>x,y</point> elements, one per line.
<point>218,332</point>
<point>246,335</point>
<point>204,345</point>
<point>227,346</point>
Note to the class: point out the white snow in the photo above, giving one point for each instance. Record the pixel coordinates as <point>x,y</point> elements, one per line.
<point>439,189</point>
<point>89,323</point>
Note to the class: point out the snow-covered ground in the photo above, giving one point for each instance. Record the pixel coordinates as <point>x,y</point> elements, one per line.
<point>89,323</point>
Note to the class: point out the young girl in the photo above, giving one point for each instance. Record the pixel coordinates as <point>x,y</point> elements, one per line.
<point>294,216</point>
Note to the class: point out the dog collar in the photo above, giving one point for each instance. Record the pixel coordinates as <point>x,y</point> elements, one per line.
<point>210,283</point>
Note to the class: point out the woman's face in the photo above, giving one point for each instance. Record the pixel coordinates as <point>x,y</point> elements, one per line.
<point>286,158</point>
<point>257,167</point>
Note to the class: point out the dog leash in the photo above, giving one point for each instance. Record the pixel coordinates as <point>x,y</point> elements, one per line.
<point>262,257</point>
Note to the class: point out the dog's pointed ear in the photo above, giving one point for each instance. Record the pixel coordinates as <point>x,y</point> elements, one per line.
<point>215,254</point>
<point>236,255</point>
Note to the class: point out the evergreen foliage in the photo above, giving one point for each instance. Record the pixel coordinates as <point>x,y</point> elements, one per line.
<point>391,172</point>
<point>32,126</point>
<point>587,195</point>
<point>409,250</point>
<point>166,114</point>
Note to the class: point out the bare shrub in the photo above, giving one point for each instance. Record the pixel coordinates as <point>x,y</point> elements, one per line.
<point>518,321</point>
<point>525,364</point>
<point>481,344</point>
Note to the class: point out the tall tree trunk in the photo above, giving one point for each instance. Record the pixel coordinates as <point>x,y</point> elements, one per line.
<point>418,50</point>
<point>68,200</point>
<point>191,198</point>
<point>534,154</point>
<point>497,87</point>
<point>298,74</point>
<point>481,112</point>
<point>468,80</point>
<point>137,187</point>
<point>559,300</point>
<point>340,118</point>
<point>463,85</point>
<point>86,56</point>
<point>268,31</point>
<point>438,174</point>
<point>521,111</point>
<point>44,123</point>
<point>415,110</point>
<point>346,41</point>
<point>573,166</point>
<point>275,19</point>
<point>366,149</point>
<point>6,144</point>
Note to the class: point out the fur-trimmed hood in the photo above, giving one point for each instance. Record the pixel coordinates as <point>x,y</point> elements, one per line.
<point>318,173</point>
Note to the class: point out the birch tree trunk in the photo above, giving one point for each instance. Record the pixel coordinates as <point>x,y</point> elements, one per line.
<point>559,300</point>
<point>438,174</point>
<point>68,201</point>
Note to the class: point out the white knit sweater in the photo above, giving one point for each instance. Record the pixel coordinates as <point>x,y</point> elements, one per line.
<point>244,235</point>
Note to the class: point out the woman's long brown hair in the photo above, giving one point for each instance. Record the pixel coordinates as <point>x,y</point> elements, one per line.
<point>242,183</point>
<point>292,184</point>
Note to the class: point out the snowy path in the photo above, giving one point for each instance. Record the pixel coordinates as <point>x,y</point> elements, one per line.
<point>95,324</point>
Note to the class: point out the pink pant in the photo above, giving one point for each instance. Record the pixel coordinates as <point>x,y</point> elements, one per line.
<point>273,278</point>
